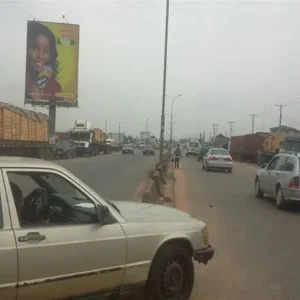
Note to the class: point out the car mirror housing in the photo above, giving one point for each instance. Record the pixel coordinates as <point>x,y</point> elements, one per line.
<point>263,166</point>
<point>103,213</point>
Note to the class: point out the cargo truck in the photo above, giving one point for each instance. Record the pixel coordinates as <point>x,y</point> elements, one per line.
<point>89,141</point>
<point>278,143</point>
<point>246,147</point>
<point>116,141</point>
<point>24,133</point>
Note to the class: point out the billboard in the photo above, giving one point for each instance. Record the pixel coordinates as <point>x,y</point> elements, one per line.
<point>52,63</point>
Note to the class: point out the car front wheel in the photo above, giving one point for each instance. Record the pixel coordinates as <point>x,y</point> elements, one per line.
<point>258,192</point>
<point>171,276</point>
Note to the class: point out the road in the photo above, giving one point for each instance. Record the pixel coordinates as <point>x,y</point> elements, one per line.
<point>114,176</point>
<point>257,245</point>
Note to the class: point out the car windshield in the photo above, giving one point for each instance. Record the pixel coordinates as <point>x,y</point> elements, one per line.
<point>128,146</point>
<point>63,143</point>
<point>194,144</point>
<point>148,147</point>
<point>291,145</point>
<point>219,152</point>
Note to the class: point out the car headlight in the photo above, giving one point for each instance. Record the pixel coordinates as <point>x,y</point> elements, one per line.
<point>205,236</point>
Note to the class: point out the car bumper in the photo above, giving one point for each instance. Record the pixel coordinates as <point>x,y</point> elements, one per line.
<point>291,194</point>
<point>220,164</point>
<point>127,152</point>
<point>191,152</point>
<point>204,255</point>
<point>152,153</point>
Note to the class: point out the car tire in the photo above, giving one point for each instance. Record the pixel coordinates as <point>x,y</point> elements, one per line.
<point>207,169</point>
<point>74,155</point>
<point>203,167</point>
<point>280,202</point>
<point>258,192</point>
<point>230,170</point>
<point>171,259</point>
<point>187,155</point>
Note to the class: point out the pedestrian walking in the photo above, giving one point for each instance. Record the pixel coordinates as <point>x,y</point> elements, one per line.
<point>177,156</point>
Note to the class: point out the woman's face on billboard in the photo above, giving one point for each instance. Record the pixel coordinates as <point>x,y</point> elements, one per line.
<point>39,53</point>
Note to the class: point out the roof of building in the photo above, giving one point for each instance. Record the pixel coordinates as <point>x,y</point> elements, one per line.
<point>283,127</point>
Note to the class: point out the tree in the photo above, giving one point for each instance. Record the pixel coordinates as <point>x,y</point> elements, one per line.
<point>129,139</point>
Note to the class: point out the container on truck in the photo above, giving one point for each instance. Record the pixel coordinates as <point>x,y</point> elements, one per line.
<point>24,133</point>
<point>246,147</point>
<point>89,141</point>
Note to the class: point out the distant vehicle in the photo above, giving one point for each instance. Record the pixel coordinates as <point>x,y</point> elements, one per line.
<point>280,179</point>
<point>217,158</point>
<point>202,153</point>
<point>127,149</point>
<point>148,150</point>
<point>193,148</point>
<point>117,246</point>
<point>142,145</point>
<point>64,148</point>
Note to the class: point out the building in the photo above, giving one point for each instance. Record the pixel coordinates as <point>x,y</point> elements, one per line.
<point>286,131</point>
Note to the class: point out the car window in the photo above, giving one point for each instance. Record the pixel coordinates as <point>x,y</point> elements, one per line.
<point>219,152</point>
<point>194,144</point>
<point>66,204</point>
<point>273,163</point>
<point>287,164</point>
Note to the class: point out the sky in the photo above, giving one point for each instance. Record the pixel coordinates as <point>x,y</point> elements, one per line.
<point>228,59</point>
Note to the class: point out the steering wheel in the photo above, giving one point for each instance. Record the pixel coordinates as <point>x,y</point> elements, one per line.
<point>36,206</point>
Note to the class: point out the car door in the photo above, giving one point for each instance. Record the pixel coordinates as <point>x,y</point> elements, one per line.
<point>59,260</point>
<point>8,251</point>
<point>272,175</point>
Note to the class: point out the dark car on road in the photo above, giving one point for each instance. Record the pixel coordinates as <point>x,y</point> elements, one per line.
<point>202,153</point>
<point>65,148</point>
<point>128,149</point>
<point>148,150</point>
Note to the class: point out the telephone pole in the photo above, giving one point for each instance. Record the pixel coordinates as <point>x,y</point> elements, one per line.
<point>147,125</point>
<point>215,129</point>
<point>231,123</point>
<point>280,112</point>
<point>253,116</point>
<point>105,128</point>
<point>119,133</point>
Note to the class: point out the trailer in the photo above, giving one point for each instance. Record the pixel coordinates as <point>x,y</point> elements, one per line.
<point>24,133</point>
<point>89,141</point>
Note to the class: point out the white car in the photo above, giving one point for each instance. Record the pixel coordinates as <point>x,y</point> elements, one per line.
<point>193,148</point>
<point>217,158</point>
<point>60,239</point>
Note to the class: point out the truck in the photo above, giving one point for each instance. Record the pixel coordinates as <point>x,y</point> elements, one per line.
<point>24,133</point>
<point>278,143</point>
<point>246,147</point>
<point>116,140</point>
<point>89,141</point>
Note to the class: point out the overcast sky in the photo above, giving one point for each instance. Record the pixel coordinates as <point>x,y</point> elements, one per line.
<point>227,59</point>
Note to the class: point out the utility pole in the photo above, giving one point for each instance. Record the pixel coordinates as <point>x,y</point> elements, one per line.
<point>105,128</point>
<point>280,112</point>
<point>162,122</point>
<point>230,128</point>
<point>215,127</point>
<point>253,116</point>
<point>119,133</point>
<point>147,125</point>
<point>209,137</point>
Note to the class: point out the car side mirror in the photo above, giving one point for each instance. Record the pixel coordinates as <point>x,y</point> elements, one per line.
<point>263,166</point>
<point>103,213</point>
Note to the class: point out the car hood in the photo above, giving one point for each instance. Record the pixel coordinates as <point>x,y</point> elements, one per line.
<point>144,212</point>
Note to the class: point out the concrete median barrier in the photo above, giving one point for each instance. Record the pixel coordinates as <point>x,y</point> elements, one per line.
<point>151,193</point>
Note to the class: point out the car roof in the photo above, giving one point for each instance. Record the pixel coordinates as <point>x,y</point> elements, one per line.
<point>27,162</point>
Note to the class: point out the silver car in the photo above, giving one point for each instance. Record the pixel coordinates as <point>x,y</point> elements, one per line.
<point>217,158</point>
<point>59,239</point>
<point>279,179</point>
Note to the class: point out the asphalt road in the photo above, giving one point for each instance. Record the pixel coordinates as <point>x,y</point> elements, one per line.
<point>257,245</point>
<point>114,176</point>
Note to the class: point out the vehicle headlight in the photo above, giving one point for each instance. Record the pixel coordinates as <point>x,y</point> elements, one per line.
<point>205,236</point>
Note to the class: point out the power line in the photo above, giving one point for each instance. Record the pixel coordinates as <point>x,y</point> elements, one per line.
<point>253,116</point>
<point>280,112</point>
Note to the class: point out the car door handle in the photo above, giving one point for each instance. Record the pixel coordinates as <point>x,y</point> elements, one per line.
<point>32,236</point>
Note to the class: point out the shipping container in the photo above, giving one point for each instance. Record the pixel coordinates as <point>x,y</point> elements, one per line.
<point>99,135</point>
<point>246,147</point>
<point>23,132</point>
